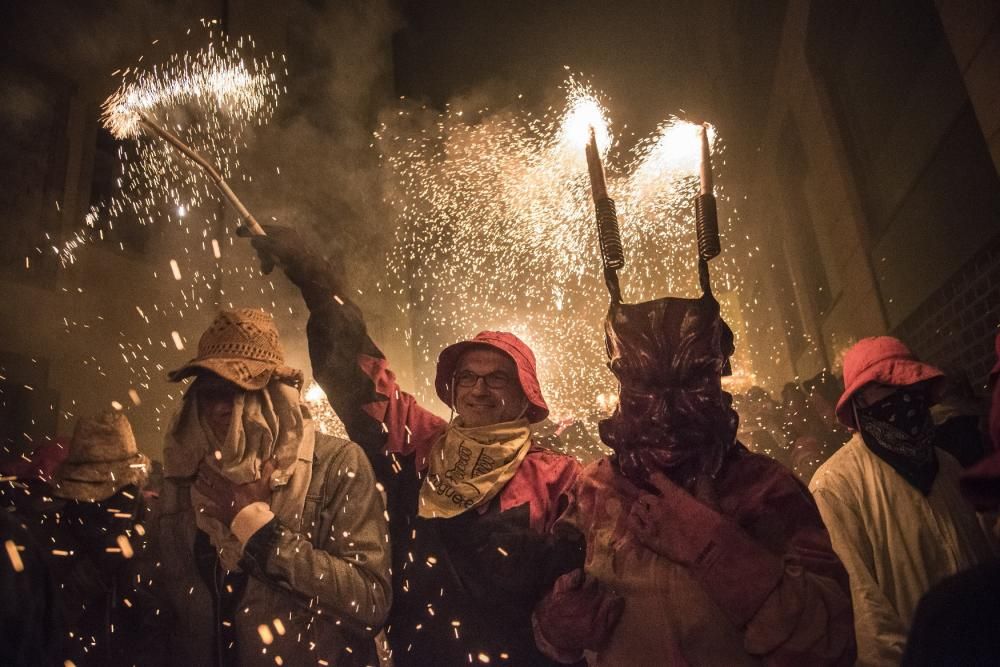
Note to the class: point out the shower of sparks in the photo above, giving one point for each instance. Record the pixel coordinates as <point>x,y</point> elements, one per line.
<point>326,419</point>
<point>217,80</point>
<point>496,230</point>
<point>211,99</point>
<point>583,112</point>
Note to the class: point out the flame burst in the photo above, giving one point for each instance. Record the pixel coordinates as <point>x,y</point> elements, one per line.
<point>496,231</point>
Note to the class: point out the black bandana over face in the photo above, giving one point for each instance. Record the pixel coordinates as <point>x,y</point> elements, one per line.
<point>898,429</point>
<point>669,356</point>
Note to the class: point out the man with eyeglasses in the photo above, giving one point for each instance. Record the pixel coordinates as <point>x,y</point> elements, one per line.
<point>471,500</point>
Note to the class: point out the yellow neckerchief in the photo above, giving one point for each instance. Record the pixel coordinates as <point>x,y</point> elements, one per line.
<point>469,466</point>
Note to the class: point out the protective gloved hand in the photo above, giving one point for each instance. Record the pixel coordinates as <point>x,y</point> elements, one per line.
<point>226,498</point>
<point>282,246</point>
<point>578,614</point>
<point>672,522</point>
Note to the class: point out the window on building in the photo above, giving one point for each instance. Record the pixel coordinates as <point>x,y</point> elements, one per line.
<point>34,107</point>
<point>894,89</point>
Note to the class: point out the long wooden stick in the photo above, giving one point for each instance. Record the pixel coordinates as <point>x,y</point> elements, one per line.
<point>213,173</point>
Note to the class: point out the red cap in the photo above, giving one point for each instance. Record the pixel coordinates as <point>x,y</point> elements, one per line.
<point>882,360</point>
<point>508,344</point>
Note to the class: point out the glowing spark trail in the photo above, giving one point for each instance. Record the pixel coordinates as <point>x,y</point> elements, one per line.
<point>211,99</point>
<point>210,78</point>
<point>218,82</point>
<point>201,103</point>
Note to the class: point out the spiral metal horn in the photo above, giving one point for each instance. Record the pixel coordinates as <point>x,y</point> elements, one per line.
<point>612,252</point>
<point>707,225</point>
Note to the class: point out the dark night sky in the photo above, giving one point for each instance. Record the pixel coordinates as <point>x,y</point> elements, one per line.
<point>644,55</point>
<point>706,60</point>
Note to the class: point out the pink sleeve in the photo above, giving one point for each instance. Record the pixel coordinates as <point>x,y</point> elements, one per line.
<point>543,481</point>
<point>409,428</point>
<point>785,585</point>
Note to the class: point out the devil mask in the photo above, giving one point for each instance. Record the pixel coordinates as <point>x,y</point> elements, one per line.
<point>669,356</point>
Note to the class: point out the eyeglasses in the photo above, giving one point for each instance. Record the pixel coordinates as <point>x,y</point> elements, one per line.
<point>495,380</point>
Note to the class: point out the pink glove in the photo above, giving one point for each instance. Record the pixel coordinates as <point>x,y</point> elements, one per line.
<point>673,523</point>
<point>578,614</point>
<point>226,499</point>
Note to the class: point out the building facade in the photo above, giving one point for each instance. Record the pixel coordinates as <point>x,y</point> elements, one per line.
<point>873,185</point>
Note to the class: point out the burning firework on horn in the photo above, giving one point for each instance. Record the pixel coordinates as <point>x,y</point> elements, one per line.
<point>608,235</point>
<point>584,116</point>
<point>707,218</point>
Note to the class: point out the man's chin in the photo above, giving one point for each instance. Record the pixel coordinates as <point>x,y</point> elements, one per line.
<point>479,416</point>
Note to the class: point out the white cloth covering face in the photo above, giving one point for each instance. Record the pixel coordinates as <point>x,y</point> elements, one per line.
<point>265,424</point>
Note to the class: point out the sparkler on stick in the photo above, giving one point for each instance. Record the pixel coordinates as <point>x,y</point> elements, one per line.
<point>608,235</point>
<point>216,82</point>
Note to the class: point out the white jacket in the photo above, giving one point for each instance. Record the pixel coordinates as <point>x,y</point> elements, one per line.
<point>895,542</point>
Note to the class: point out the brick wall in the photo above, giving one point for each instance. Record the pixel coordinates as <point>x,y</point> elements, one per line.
<point>955,327</point>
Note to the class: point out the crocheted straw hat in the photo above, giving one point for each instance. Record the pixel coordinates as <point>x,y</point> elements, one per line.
<point>241,346</point>
<point>881,360</point>
<point>103,459</point>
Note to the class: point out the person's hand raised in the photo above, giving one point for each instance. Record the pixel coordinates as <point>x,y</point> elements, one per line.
<point>282,246</point>
<point>316,276</point>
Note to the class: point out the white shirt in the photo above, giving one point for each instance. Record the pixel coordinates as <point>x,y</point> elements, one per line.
<point>895,542</point>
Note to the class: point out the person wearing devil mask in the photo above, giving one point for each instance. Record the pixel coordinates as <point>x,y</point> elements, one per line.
<point>710,554</point>
<point>890,499</point>
<point>471,500</point>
